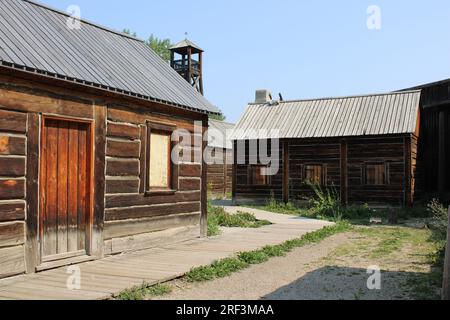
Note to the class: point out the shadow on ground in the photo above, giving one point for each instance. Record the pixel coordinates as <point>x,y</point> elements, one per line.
<point>337,283</point>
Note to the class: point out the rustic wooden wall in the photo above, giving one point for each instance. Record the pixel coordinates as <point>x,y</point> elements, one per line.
<point>428,152</point>
<point>229,172</point>
<point>220,175</point>
<point>124,218</point>
<point>415,165</point>
<point>129,211</point>
<point>246,193</point>
<point>433,175</point>
<point>343,160</point>
<point>379,149</point>
<point>13,148</point>
<point>316,152</point>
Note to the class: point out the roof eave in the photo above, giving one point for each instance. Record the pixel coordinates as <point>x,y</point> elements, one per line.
<point>100,87</point>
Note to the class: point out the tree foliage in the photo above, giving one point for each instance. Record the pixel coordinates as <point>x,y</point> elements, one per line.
<point>218,117</point>
<point>128,32</point>
<point>162,48</point>
<point>159,46</point>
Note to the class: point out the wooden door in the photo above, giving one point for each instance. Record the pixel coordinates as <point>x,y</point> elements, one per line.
<point>65,216</point>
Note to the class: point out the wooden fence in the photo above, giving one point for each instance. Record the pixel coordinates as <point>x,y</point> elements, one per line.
<point>446,282</point>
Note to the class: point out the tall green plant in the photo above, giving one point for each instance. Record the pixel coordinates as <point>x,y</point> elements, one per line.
<point>326,202</point>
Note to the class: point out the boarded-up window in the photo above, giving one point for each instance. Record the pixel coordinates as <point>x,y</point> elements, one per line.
<point>159,166</point>
<point>314,174</point>
<point>259,176</point>
<point>376,174</point>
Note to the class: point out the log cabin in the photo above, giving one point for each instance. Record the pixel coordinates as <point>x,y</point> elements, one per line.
<point>220,162</point>
<point>363,147</point>
<point>86,120</point>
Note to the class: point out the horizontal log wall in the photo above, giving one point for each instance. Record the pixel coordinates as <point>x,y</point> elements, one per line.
<point>13,148</point>
<point>22,103</point>
<point>247,193</point>
<point>131,213</point>
<point>229,172</point>
<point>23,99</point>
<point>220,174</point>
<point>324,153</point>
<point>327,152</point>
<point>390,150</point>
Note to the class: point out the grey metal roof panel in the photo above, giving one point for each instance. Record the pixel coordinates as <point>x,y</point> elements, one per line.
<point>36,37</point>
<point>219,134</point>
<point>378,114</point>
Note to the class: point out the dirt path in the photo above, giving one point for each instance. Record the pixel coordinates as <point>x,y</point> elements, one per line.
<point>333,269</point>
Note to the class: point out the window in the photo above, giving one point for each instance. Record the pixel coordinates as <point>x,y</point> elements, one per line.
<point>160,168</point>
<point>159,160</point>
<point>259,176</point>
<point>314,174</point>
<point>375,174</point>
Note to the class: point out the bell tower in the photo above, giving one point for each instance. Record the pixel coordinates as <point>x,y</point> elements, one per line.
<point>186,59</point>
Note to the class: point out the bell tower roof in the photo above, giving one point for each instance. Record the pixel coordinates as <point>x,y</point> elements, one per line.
<point>182,46</point>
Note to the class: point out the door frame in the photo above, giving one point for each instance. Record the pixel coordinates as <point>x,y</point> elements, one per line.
<point>64,258</point>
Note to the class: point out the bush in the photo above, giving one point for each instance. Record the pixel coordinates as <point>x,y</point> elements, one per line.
<point>439,218</point>
<point>327,203</point>
<point>358,212</point>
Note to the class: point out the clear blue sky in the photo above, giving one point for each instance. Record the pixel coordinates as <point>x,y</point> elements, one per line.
<point>304,49</point>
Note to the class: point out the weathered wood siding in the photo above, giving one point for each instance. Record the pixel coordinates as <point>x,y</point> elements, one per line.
<point>129,210</point>
<point>13,146</point>
<point>429,152</point>
<point>124,218</point>
<point>220,175</point>
<point>343,161</point>
<point>247,193</point>
<point>390,150</point>
<point>433,175</point>
<point>415,167</point>
<point>312,152</point>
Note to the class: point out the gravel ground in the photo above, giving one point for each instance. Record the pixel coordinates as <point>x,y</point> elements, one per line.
<point>334,269</point>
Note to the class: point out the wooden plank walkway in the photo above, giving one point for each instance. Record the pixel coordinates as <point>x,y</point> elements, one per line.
<point>105,278</point>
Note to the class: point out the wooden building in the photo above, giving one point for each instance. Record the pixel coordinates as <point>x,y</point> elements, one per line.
<point>220,164</point>
<point>365,147</point>
<point>433,178</point>
<point>86,116</point>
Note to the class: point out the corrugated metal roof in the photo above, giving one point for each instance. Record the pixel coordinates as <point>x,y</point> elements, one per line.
<point>380,114</point>
<point>219,134</point>
<point>35,38</point>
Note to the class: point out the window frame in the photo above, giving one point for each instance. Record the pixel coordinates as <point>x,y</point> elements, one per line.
<point>251,176</point>
<point>166,129</point>
<point>386,173</point>
<point>324,174</point>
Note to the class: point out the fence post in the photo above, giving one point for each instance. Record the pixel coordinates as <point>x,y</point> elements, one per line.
<point>446,281</point>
